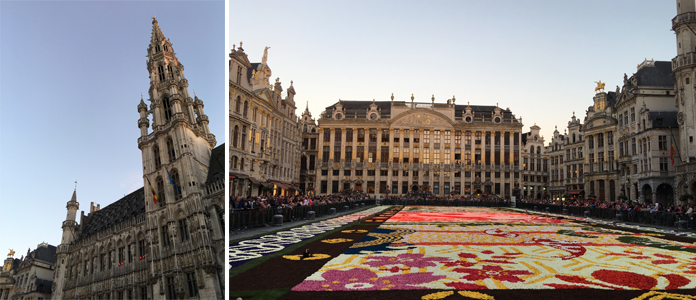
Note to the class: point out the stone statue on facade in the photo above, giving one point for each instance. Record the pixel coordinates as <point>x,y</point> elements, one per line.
<point>265,55</point>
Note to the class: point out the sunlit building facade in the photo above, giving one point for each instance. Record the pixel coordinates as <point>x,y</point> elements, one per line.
<point>399,147</point>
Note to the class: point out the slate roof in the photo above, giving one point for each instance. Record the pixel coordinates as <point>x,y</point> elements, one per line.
<point>664,119</point>
<point>47,254</point>
<point>216,169</point>
<point>123,209</point>
<point>611,98</point>
<point>659,75</point>
<point>359,108</point>
<point>249,70</point>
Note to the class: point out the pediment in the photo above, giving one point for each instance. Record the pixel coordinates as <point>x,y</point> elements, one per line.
<point>421,119</point>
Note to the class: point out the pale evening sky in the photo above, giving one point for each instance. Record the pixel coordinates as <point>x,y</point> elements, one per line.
<point>71,75</point>
<point>539,58</point>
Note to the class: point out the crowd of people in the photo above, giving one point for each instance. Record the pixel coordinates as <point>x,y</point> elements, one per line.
<point>683,211</point>
<point>267,202</point>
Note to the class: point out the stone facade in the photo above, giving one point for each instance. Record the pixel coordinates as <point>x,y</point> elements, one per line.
<point>163,241</point>
<point>264,132</point>
<point>310,152</point>
<point>397,147</point>
<point>34,275</point>
<point>535,165</point>
<point>566,162</point>
<point>599,132</point>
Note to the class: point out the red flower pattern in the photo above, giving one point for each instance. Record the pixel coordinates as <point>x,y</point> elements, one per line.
<point>493,272</point>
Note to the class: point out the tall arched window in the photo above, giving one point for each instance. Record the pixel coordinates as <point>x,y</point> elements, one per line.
<point>170,149</point>
<point>246,108</point>
<point>238,104</point>
<point>177,187</point>
<point>167,108</point>
<point>158,161</point>
<point>235,136</point>
<point>233,163</point>
<point>244,136</point>
<point>160,71</point>
<point>161,199</point>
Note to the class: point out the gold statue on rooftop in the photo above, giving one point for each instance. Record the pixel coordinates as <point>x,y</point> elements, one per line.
<point>11,254</point>
<point>600,86</point>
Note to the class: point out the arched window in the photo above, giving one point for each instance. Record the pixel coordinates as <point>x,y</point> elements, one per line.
<point>167,108</point>
<point>238,104</point>
<point>160,70</point>
<point>158,161</point>
<point>177,187</point>
<point>244,136</point>
<point>241,164</point>
<point>183,230</point>
<point>235,136</point>
<point>169,68</point>
<point>538,149</point>
<point>160,191</point>
<point>233,163</point>
<point>246,108</point>
<point>157,48</point>
<point>170,149</point>
<point>305,128</point>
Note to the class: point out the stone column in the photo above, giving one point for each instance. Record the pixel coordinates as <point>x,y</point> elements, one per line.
<point>343,144</point>
<point>378,155</point>
<point>320,145</point>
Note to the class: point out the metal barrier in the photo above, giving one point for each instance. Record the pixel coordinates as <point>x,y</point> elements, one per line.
<point>660,218</point>
<point>249,219</point>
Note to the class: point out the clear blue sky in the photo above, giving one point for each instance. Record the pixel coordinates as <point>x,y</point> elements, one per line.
<point>539,58</point>
<point>71,75</point>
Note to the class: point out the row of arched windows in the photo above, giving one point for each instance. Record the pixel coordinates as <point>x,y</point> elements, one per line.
<point>238,106</point>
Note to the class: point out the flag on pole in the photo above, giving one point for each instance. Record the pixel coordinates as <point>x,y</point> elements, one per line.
<point>170,180</point>
<point>154,195</point>
<point>673,151</point>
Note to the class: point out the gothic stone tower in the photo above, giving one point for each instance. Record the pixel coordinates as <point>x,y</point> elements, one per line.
<point>175,158</point>
<point>69,227</point>
<point>684,70</point>
<point>683,67</point>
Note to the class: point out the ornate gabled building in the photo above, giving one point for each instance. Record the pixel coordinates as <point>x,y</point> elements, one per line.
<point>646,124</point>
<point>683,69</point>
<point>264,131</point>
<point>566,162</point>
<point>535,168</point>
<point>166,240</point>
<point>8,275</point>
<point>34,275</point>
<point>599,132</point>
<point>399,147</point>
<point>310,151</point>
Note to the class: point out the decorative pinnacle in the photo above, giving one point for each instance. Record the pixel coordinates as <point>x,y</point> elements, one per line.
<point>373,100</point>
<point>433,98</point>
<point>392,97</point>
<point>290,82</point>
<point>453,99</point>
<point>411,97</point>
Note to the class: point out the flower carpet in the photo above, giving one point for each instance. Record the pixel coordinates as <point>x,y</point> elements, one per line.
<point>488,249</point>
<point>250,249</point>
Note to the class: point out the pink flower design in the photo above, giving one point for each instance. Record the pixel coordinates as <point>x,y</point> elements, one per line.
<point>493,272</point>
<point>366,280</point>
<point>415,260</point>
